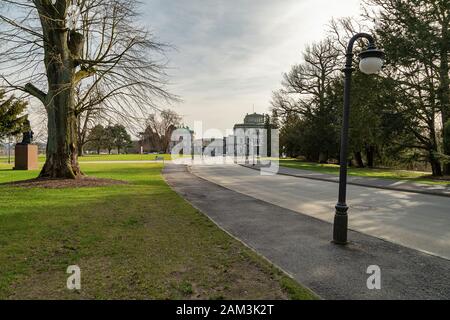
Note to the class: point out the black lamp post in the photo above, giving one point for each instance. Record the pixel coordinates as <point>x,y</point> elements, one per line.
<point>9,149</point>
<point>258,156</point>
<point>253,150</point>
<point>371,62</point>
<point>247,150</point>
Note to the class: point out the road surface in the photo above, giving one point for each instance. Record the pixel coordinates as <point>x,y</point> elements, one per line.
<point>417,221</point>
<point>300,245</point>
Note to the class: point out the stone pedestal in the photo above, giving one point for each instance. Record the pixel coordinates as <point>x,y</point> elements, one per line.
<point>26,157</point>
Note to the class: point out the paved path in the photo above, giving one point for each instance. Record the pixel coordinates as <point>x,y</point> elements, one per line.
<point>396,185</point>
<point>413,220</point>
<point>300,245</point>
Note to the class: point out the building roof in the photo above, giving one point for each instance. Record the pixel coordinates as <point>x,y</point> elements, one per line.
<point>254,120</point>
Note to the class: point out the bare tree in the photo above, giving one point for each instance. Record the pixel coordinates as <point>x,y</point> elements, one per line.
<point>159,129</point>
<point>305,86</point>
<point>306,92</point>
<point>79,58</point>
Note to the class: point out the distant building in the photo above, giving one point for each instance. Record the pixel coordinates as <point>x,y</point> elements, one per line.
<point>256,127</point>
<point>172,144</point>
<point>252,137</point>
<point>208,146</point>
<point>252,121</point>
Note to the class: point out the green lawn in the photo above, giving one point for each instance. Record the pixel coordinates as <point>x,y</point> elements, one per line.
<point>4,159</point>
<point>413,176</point>
<point>136,241</point>
<point>123,157</point>
<point>106,157</point>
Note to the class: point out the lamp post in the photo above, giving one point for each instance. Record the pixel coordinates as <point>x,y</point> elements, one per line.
<point>247,150</point>
<point>9,149</point>
<point>253,149</point>
<point>258,156</point>
<point>192,147</point>
<point>235,150</point>
<point>371,62</point>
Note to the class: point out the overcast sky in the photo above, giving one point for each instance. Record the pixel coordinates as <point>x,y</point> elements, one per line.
<point>231,53</point>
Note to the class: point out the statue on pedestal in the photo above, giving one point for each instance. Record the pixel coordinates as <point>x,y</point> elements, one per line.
<point>26,154</point>
<point>27,137</point>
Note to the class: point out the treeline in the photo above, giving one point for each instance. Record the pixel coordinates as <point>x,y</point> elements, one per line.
<point>156,136</point>
<point>399,117</point>
<point>108,138</point>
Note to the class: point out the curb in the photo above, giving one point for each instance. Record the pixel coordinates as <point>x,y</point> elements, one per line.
<point>426,192</point>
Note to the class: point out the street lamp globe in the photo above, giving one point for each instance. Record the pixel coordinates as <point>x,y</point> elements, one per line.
<point>371,61</point>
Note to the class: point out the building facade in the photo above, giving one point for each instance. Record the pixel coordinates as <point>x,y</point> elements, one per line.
<point>251,137</point>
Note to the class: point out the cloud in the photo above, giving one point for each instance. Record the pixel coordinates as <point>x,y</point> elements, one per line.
<point>231,53</point>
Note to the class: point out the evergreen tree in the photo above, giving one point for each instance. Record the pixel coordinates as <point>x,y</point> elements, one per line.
<point>12,120</point>
<point>416,37</point>
<point>121,137</point>
<point>96,138</point>
<point>116,136</point>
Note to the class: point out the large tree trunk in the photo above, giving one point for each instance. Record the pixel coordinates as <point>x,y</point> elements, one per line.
<point>62,153</point>
<point>446,140</point>
<point>323,157</point>
<point>444,90</point>
<point>370,152</point>
<point>436,167</point>
<point>62,148</point>
<point>80,149</point>
<point>358,159</point>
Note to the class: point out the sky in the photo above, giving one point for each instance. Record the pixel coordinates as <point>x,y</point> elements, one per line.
<point>229,55</point>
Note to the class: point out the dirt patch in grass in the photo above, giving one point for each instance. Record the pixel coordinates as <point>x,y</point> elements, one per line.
<point>85,182</point>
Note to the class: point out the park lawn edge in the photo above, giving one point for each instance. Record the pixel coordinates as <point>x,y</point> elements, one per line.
<point>419,177</point>
<point>291,289</point>
<point>333,170</point>
<point>294,289</point>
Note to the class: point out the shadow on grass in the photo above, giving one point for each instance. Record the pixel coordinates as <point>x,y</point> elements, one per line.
<point>138,241</point>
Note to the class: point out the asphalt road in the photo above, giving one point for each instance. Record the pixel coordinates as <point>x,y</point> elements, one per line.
<point>416,221</point>
<point>300,245</point>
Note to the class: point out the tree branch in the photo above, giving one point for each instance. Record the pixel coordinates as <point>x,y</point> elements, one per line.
<point>35,92</point>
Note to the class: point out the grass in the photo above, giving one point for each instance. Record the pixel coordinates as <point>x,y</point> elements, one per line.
<point>4,159</point>
<point>106,157</point>
<point>123,157</point>
<point>135,241</point>
<point>393,174</point>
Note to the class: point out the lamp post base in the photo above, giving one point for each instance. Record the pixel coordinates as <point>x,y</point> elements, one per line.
<point>340,226</point>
